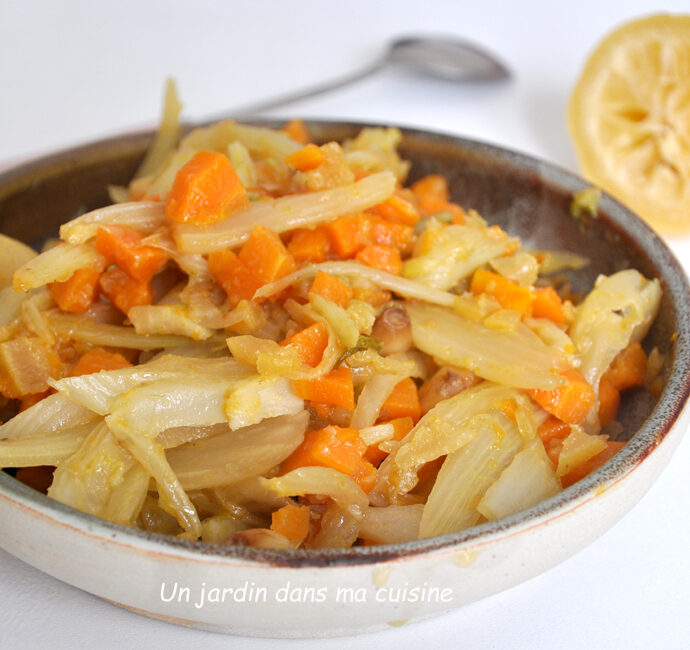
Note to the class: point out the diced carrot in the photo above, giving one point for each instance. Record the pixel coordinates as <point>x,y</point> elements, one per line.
<point>27,401</point>
<point>402,402</point>
<point>553,429</point>
<point>433,197</point>
<point>548,304</point>
<point>349,234</point>
<point>458,213</point>
<point>395,208</point>
<point>381,257</point>
<point>401,427</point>
<point>609,401</point>
<point>509,294</point>
<point>332,289</point>
<point>233,275</point>
<point>569,402</point>
<point>205,190</point>
<point>335,388</point>
<point>310,343</point>
<point>78,292</point>
<point>579,472</point>
<point>365,475</point>
<point>265,255</point>
<point>628,369</point>
<point>39,478</point>
<point>375,297</point>
<point>124,291</point>
<point>431,192</point>
<point>389,233</point>
<point>97,359</point>
<point>297,130</point>
<point>121,245</point>
<point>307,245</point>
<point>336,447</point>
<point>305,159</point>
<point>291,521</point>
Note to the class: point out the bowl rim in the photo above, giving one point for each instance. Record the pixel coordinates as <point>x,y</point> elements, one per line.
<point>652,432</point>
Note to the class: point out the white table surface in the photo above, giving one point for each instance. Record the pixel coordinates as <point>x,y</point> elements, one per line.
<point>73,71</point>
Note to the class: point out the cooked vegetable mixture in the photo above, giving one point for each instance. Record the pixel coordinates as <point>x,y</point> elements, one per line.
<point>267,342</point>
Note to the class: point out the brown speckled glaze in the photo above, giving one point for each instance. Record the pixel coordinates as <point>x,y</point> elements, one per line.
<point>526,197</point>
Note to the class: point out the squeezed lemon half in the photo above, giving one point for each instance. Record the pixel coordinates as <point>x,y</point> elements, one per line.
<point>629,119</point>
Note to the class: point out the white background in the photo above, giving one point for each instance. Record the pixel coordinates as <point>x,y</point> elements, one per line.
<point>73,71</point>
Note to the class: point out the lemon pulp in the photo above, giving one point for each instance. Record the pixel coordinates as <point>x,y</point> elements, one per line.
<point>629,119</point>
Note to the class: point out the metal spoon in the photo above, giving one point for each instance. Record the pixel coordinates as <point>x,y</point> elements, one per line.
<point>447,58</point>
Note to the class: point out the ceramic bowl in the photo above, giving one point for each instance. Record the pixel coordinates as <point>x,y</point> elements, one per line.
<point>247,591</point>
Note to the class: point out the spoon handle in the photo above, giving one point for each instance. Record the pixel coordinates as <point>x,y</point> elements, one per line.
<point>305,93</point>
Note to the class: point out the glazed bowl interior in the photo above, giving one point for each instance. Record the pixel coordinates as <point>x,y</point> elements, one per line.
<point>527,198</point>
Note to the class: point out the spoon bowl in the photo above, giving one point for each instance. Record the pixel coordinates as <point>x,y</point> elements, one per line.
<point>448,58</point>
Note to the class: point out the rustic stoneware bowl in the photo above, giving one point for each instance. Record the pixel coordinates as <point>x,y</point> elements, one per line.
<point>248,591</point>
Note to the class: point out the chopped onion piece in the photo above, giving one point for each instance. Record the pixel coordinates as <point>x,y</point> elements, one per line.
<point>143,216</point>
<point>516,358</point>
<point>528,480</point>
<point>15,254</point>
<point>391,524</point>
<point>256,398</point>
<point>441,431</point>
<point>86,479</point>
<point>345,328</point>
<point>99,390</point>
<point>57,264</point>
<point>401,286</point>
<point>467,473</point>
<point>167,319</point>
<point>232,456</point>
<point>52,414</point>
<point>371,399</point>
<point>49,449</point>
<point>172,496</point>
<point>168,133</point>
<point>578,448</point>
<point>324,481</point>
<point>84,329</point>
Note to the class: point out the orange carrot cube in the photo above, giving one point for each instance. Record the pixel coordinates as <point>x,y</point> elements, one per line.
<point>570,402</point>
<point>335,447</point>
<point>332,289</point>
<point>124,291</point>
<point>381,257</point>
<point>291,521</point>
<point>305,159</point>
<point>310,343</point>
<point>265,255</point>
<point>205,190</point>
<point>402,402</point>
<point>97,359</point>
<point>233,275</point>
<point>78,292</point>
<point>335,388</point>
<point>395,208</point>
<point>307,245</point>
<point>121,245</point>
